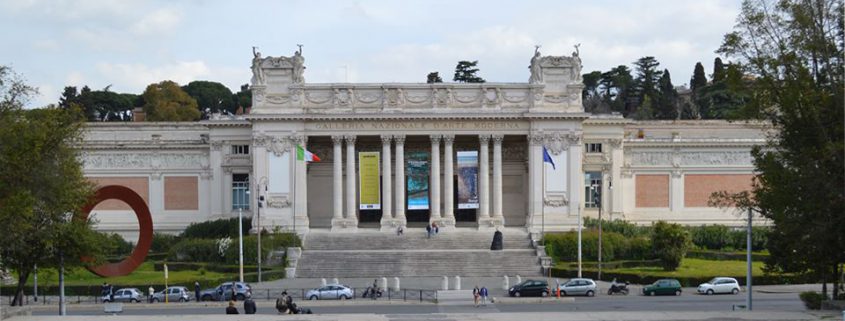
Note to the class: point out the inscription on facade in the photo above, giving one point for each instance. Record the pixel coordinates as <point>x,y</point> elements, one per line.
<point>424,125</point>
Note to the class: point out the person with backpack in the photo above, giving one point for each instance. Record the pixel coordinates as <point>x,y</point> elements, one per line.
<point>249,306</point>
<point>282,303</point>
<point>483,293</point>
<point>231,309</point>
<point>476,293</point>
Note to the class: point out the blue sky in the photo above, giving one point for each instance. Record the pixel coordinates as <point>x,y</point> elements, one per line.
<point>131,43</point>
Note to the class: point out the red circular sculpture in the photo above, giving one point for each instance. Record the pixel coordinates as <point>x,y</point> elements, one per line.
<point>145,224</point>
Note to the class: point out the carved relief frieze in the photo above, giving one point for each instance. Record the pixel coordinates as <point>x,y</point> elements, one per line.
<point>556,200</point>
<point>642,158</point>
<point>343,97</point>
<point>417,97</point>
<point>278,201</point>
<point>278,145</point>
<point>143,161</point>
<point>738,158</point>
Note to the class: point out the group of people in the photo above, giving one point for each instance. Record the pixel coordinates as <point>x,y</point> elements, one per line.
<point>285,305</point>
<point>480,295</point>
<point>249,307</point>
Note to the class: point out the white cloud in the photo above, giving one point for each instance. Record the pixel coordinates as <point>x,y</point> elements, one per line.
<point>135,77</point>
<point>160,20</point>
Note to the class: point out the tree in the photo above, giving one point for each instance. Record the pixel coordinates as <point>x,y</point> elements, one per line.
<point>645,82</point>
<point>99,105</point>
<point>465,71</point>
<point>433,77</point>
<point>591,94</point>
<point>166,101</point>
<point>211,96</point>
<point>670,243</point>
<point>667,104</point>
<point>698,80</point>
<point>617,87</point>
<point>244,97</point>
<point>718,70</point>
<point>42,186</point>
<point>794,50</point>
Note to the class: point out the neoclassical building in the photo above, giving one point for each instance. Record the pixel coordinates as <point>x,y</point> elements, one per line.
<point>466,156</point>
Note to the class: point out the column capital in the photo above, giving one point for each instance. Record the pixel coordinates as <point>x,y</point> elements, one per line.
<point>385,139</point>
<point>536,138</point>
<point>350,139</point>
<point>337,139</point>
<point>298,139</point>
<point>484,139</point>
<point>400,139</point>
<point>498,138</point>
<point>435,139</point>
<point>448,139</point>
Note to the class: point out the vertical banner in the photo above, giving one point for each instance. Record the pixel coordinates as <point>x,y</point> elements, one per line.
<point>467,179</point>
<point>368,180</point>
<point>418,174</point>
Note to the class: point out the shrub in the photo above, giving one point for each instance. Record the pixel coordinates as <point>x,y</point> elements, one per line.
<point>812,300</point>
<point>216,229</point>
<point>114,246</point>
<point>564,246</point>
<point>163,242</point>
<point>195,250</point>
<point>670,243</point>
<point>712,237</point>
<point>639,248</point>
<point>625,228</point>
<point>269,242</point>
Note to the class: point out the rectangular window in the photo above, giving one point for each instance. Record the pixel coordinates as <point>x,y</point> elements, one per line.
<point>240,191</point>
<point>240,149</point>
<point>592,147</point>
<point>592,185</point>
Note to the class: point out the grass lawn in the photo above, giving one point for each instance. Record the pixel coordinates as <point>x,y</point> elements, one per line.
<point>697,268</point>
<point>144,275</point>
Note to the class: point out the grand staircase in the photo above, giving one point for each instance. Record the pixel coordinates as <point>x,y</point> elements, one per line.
<point>464,252</point>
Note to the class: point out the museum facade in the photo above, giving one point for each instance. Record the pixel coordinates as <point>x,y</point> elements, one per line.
<point>475,156</point>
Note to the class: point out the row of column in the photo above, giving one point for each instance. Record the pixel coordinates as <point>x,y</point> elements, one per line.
<point>391,217</point>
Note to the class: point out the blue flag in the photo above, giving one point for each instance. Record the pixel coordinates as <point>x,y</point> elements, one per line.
<point>548,158</point>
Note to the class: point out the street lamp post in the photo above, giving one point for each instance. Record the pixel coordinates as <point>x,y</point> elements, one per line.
<point>579,239</point>
<point>260,203</point>
<point>597,201</point>
<point>241,238</point>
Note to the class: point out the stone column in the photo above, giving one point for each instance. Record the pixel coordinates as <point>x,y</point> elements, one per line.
<point>386,187</point>
<point>351,202</point>
<point>535,181</point>
<point>337,182</point>
<point>435,178</point>
<point>498,216</point>
<point>400,179</point>
<point>484,180</point>
<point>617,157</point>
<point>448,183</point>
<point>301,193</point>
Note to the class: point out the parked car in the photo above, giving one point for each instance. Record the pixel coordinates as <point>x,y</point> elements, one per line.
<point>223,292</point>
<point>719,285</point>
<point>124,295</point>
<point>530,288</point>
<point>578,287</point>
<point>663,287</point>
<point>331,292</point>
<point>174,294</point>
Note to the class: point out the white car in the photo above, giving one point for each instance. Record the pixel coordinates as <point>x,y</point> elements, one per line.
<point>330,291</point>
<point>719,285</point>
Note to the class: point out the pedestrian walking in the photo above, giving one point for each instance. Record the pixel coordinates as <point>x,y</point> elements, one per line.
<point>435,228</point>
<point>400,230</point>
<point>476,293</point>
<point>152,292</point>
<point>234,297</point>
<point>249,306</point>
<point>231,309</point>
<point>428,231</point>
<point>197,290</point>
<point>483,294</point>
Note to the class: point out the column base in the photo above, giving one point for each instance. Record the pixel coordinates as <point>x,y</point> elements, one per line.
<point>342,224</point>
<point>490,223</point>
<point>391,225</point>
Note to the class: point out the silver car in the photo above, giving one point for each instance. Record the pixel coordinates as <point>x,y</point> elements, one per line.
<point>330,291</point>
<point>174,294</point>
<point>578,287</point>
<point>124,295</point>
<point>719,285</point>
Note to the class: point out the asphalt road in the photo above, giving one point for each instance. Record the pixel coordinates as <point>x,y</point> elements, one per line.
<point>686,302</point>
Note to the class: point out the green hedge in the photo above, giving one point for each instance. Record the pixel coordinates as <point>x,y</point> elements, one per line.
<point>712,237</point>
<point>196,250</point>
<point>625,228</point>
<point>216,229</point>
<point>615,246</point>
<point>208,250</point>
<point>812,300</point>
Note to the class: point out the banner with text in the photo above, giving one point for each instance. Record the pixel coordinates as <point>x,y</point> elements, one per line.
<point>368,181</point>
<point>418,174</point>
<point>467,179</point>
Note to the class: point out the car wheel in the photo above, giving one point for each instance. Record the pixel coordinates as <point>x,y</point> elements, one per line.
<point>562,293</point>
<point>710,292</point>
<point>181,299</point>
<point>677,292</point>
<point>134,301</point>
<point>591,293</point>
<point>206,298</point>
<point>517,294</point>
<point>651,293</point>
<point>155,300</point>
<point>106,301</point>
<point>313,297</point>
<point>735,291</point>
<point>625,292</point>
<point>544,294</point>
<point>344,297</point>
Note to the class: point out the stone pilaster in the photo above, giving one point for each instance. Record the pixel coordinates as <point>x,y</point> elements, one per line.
<point>400,180</point>
<point>448,182</point>
<point>484,181</point>
<point>351,200</point>
<point>386,185</point>
<point>435,179</point>
<point>498,216</point>
<point>337,181</point>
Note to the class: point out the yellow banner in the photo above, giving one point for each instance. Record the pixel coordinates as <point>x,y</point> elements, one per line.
<point>369,188</point>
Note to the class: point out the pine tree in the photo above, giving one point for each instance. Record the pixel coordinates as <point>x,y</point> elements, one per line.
<point>465,72</point>
<point>433,77</point>
<point>699,80</point>
<point>667,104</point>
<point>647,78</point>
<point>617,89</point>
<point>718,70</point>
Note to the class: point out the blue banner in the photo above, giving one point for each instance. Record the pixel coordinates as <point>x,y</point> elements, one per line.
<point>467,179</point>
<point>418,173</point>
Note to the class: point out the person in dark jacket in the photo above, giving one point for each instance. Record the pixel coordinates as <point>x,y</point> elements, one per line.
<point>249,306</point>
<point>232,309</point>
<point>197,290</point>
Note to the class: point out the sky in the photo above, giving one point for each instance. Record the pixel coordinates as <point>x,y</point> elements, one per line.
<point>129,44</point>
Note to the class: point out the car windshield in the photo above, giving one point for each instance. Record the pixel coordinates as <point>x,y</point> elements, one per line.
<point>713,281</point>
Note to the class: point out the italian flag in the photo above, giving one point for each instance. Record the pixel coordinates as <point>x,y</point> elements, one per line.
<point>303,154</point>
